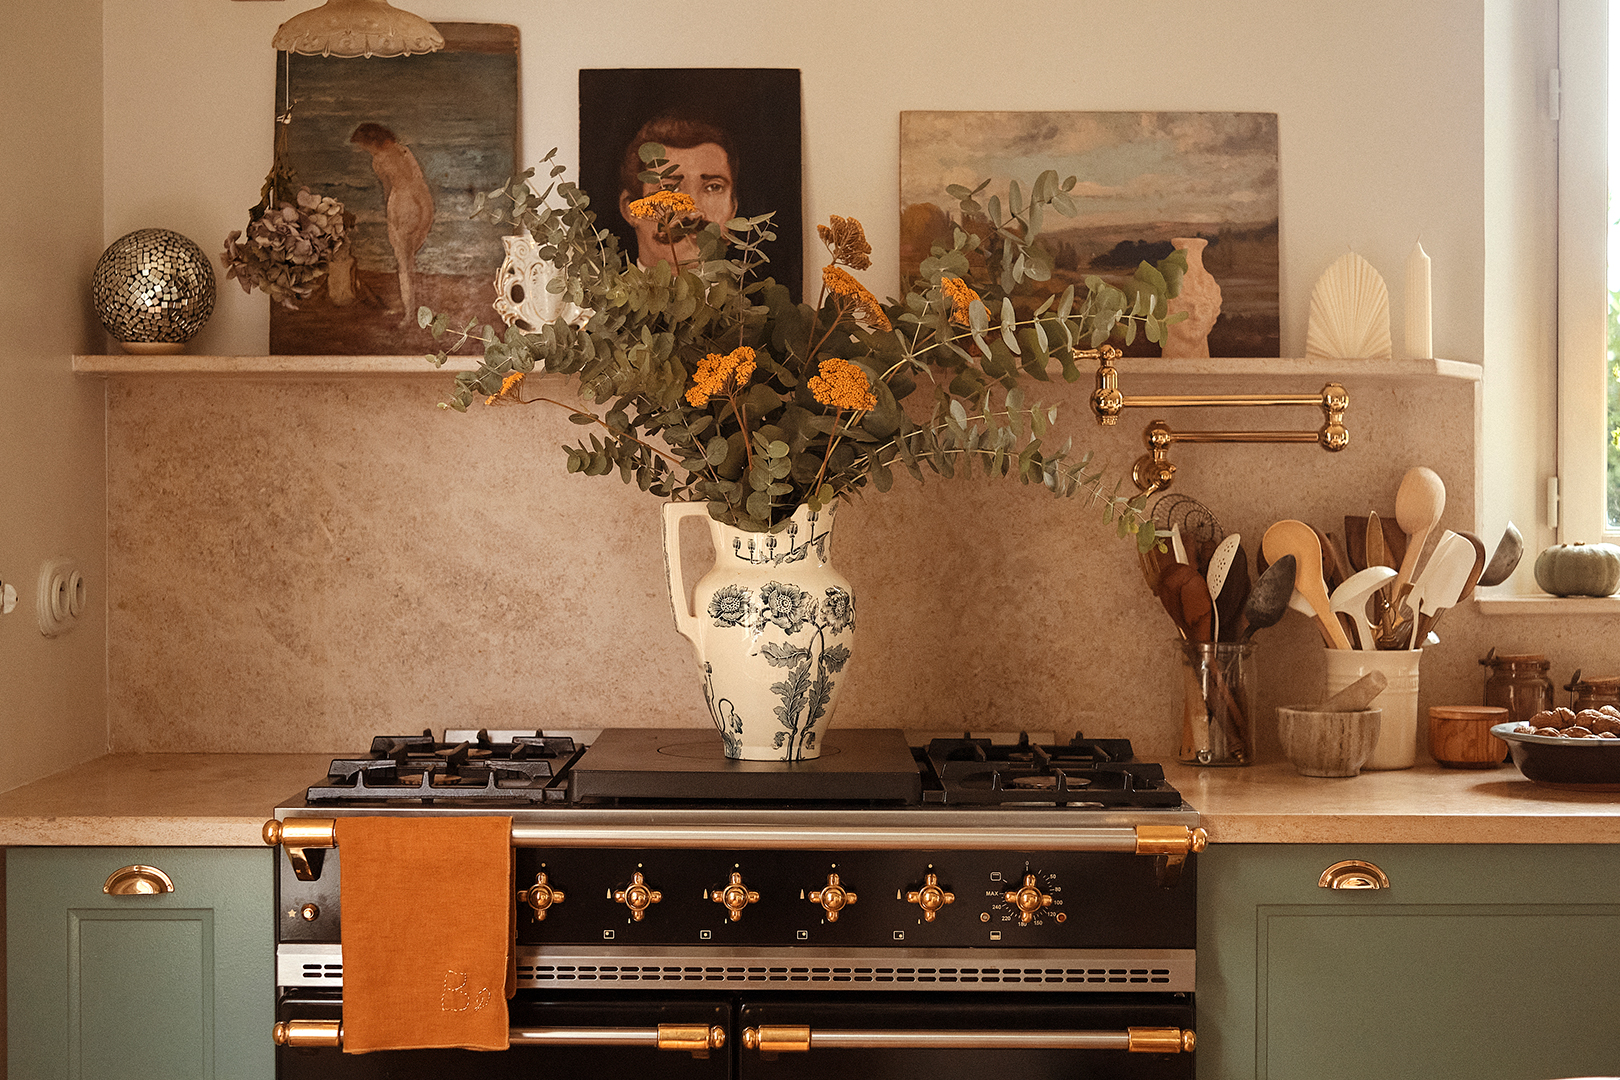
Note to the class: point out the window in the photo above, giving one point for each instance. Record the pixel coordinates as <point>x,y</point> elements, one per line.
<point>1588,271</point>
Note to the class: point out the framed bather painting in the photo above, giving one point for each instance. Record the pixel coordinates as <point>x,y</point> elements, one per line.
<point>406,144</point>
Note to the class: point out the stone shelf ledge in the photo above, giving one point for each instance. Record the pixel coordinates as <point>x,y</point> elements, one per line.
<point>1131,368</point>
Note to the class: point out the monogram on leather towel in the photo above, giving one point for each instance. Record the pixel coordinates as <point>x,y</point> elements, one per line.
<point>428,925</point>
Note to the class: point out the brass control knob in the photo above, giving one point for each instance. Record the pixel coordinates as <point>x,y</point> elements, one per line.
<point>833,898</point>
<point>637,897</point>
<point>541,896</point>
<point>735,897</point>
<point>1028,900</point>
<point>930,897</point>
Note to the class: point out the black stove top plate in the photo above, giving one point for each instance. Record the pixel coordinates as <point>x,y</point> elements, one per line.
<point>867,765</point>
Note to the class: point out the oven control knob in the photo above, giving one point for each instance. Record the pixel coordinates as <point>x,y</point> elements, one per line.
<point>637,897</point>
<point>1028,900</point>
<point>735,897</point>
<point>541,896</point>
<point>930,897</point>
<point>833,898</point>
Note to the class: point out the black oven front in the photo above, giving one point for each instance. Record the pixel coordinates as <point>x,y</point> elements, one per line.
<point>927,943</point>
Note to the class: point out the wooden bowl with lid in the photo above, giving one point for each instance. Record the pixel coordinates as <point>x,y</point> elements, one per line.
<point>1460,736</point>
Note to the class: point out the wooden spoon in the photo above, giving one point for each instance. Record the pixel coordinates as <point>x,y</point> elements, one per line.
<point>1290,537</point>
<point>1419,503</point>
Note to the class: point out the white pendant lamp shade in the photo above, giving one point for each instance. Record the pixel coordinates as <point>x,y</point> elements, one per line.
<point>357,28</point>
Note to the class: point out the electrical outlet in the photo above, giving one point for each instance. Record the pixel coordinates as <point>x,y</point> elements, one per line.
<point>61,596</point>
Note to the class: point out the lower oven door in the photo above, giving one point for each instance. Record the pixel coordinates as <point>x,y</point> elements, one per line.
<point>1123,1037</point>
<point>553,1035</point>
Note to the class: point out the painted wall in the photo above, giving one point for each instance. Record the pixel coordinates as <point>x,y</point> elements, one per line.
<point>52,451</point>
<point>297,565</point>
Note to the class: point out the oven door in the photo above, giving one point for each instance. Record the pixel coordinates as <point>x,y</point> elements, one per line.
<point>949,1036</point>
<point>553,1034</point>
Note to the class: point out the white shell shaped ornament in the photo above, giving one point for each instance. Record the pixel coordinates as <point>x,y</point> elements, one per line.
<point>523,297</point>
<point>1349,312</point>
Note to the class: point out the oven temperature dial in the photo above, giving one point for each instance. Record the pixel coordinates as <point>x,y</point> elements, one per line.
<point>930,897</point>
<point>833,898</point>
<point>734,897</point>
<point>1030,900</point>
<point>541,896</point>
<point>637,896</point>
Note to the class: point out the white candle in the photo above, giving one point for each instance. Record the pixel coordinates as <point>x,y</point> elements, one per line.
<point>1419,317</point>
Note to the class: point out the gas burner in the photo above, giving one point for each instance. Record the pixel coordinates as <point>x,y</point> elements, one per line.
<point>516,768</point>
<point>1084,773</point>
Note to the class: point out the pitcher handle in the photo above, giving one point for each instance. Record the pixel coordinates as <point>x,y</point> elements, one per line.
<point>686,620</point>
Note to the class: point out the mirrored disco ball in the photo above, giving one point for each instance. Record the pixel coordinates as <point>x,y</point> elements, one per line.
<point>153,287</point>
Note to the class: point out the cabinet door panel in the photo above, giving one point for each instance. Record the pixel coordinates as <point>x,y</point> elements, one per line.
<point>1461,990</point>
<point>177,985</point>
<point>1478,961</point>
<point>133,975</point>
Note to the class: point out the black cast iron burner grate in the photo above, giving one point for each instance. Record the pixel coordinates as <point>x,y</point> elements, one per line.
<point>1084,773</point>
<point>526,769</point>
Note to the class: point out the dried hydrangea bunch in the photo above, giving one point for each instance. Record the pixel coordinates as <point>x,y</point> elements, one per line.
<point>711,383</point>
<point>288,247</point>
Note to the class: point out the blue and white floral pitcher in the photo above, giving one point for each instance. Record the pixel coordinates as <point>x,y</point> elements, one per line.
<point>772,625</point>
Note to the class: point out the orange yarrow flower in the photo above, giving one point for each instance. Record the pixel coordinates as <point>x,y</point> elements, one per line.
<point>842,385</point>
<point>840,281</point>
<point>847,241</point>
<point>664,204</point>
<point>508,393</point>
<point>960,297</point>
<point>715,371</point>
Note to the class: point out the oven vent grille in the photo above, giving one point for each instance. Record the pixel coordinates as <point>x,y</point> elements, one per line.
<point>1170,970</point>
<point>895,976</point>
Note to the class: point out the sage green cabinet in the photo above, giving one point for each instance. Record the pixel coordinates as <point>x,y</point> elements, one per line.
<point>1481,962</point>
<point>178,985</point>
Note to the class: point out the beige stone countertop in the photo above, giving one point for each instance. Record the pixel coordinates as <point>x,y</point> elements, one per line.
<point>1272,804</point>
<point>160,800</point>
<point>223,800</point>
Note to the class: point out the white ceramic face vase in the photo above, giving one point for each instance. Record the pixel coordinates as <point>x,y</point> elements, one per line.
<point>522,298</point>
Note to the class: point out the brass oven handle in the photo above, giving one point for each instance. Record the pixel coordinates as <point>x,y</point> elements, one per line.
<point>693,1038</point>
<point>304,839</point>
<point>137,880</point>
<point>1353,874</point>
<point>796,1038</point>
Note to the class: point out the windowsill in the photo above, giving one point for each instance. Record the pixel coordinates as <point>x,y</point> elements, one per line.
<point>1543,604</point>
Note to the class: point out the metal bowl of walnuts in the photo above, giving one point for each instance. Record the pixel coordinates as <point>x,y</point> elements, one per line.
<point>1565,749</point>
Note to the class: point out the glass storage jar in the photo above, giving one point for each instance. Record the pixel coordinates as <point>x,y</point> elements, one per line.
<point>1592,691</point>
<point>1518,683</point>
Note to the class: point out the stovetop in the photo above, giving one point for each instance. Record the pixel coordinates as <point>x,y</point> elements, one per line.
<point>665,768</point>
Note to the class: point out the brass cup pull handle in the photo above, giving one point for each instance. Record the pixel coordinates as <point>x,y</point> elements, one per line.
<point>1353,874</point>
<point>137,880</point>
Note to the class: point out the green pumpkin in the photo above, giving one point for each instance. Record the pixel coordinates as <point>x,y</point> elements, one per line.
<point>1579,569</point>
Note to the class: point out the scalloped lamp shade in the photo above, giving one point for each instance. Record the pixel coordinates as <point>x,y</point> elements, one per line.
<point>352,28</point>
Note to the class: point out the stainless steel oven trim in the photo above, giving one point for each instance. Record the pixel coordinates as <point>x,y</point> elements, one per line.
<point>710,968</point>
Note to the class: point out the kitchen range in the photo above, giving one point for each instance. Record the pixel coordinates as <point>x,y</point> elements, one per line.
<point>885,910</point>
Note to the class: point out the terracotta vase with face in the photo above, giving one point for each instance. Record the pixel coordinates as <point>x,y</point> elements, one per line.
<point>1200,298</point>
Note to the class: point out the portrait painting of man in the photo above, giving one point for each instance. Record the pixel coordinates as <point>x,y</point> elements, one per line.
<point>733,135</point>
<point>405,144</point>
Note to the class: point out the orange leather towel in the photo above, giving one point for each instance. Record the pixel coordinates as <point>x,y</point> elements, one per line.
<point>428,929</point>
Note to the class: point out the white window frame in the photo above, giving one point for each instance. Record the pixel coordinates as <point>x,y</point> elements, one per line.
<point>1581,93</point>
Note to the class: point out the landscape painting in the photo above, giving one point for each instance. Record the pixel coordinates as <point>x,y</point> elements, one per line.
<point>1143,180</point>
<point>405,143</point>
